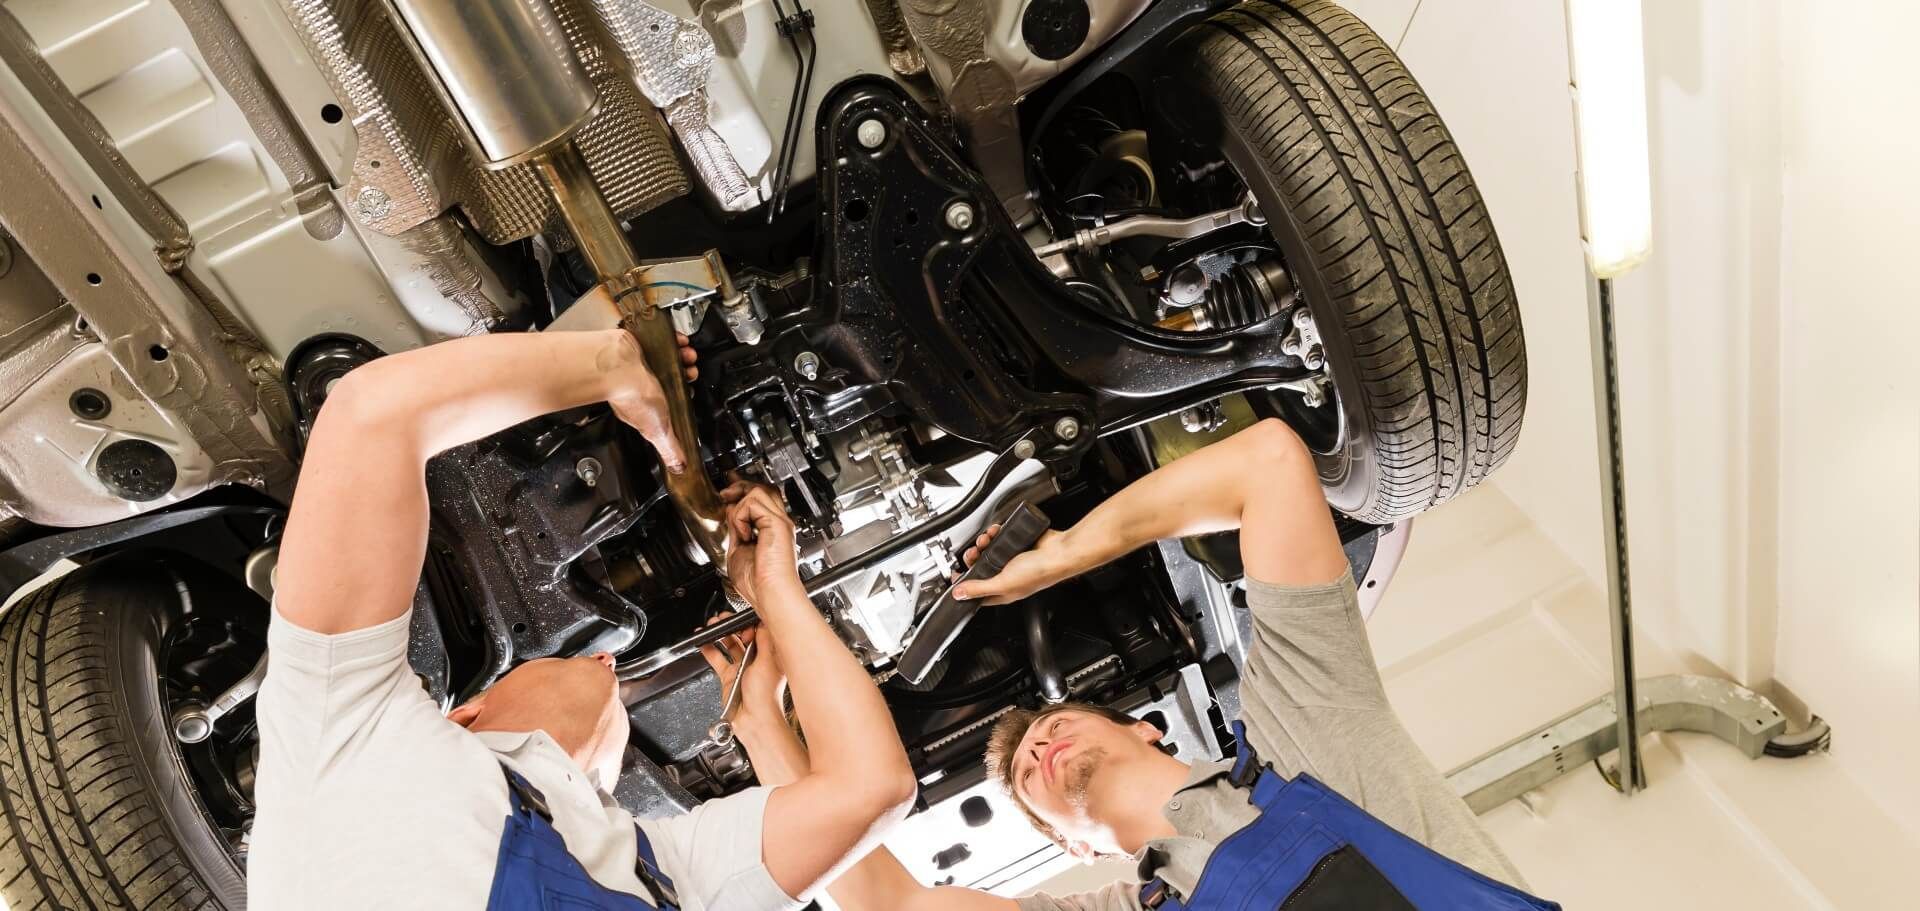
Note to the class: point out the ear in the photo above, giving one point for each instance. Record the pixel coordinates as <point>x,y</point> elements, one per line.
<point>467,712</point>
<point>1082,852</point>
<point>1146,732</point>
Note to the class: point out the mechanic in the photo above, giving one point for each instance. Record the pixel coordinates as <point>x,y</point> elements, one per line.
<point>369,797</point>
<point>1315,713</point>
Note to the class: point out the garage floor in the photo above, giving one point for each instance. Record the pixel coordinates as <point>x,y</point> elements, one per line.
<point>1489,631</point>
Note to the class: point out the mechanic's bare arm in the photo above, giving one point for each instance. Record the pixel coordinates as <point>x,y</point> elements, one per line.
<point>1261,481</point>
<point>861,784</point>
<point>875,882</point>
<point>357,534</point>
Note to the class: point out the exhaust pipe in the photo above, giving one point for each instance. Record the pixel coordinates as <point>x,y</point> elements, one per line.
<point>505,70</point>
<point>597,232</point>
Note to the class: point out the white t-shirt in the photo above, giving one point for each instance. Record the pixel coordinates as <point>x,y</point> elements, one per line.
<point>370,798</point>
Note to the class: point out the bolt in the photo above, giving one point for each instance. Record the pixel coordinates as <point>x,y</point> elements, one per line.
<point>692,44</point>
<point>1291,344</point>
<point>372,204</point>
<point>588,470</point>
<point>1202,418</point>
<point>807,364</point>
<point>1023,449</point>
<point>960,216</point>
<point>1315,358</point>
<point>1302,318</point>
<point>871,133</point>
<point>1066,428</point>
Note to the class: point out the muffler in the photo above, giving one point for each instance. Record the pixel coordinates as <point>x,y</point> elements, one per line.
<point>504,69</point>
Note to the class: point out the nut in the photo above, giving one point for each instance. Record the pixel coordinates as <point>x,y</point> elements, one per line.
<point>1023,449</point>
<point>870,133</point>
<point>960,216</point>
<point>1066,428</point>
<point>807,364</point>
<point>588,470</point>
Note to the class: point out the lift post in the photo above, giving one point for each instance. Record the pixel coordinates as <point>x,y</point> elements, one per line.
<point>1678,702</point>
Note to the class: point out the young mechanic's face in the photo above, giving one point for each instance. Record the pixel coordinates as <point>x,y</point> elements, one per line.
<point>575,700</point>
<point>1070,765</point>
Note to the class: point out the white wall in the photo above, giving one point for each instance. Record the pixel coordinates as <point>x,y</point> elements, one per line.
<point>1849,323</point>
<point>1771,419</point>
<point>1771,412</point>
<point>1699,342</point>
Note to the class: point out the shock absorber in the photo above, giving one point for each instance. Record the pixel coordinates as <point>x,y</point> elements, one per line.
<point>1246,294</point>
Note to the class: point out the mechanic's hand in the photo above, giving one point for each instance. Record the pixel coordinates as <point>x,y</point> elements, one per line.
<point>764,685</point>
<point>1025,574</point>
<point>596,310</point>
<point>760,555</point>
<point>638,399</point>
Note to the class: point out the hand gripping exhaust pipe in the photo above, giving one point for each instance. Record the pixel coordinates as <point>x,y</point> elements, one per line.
<point>505,70</point>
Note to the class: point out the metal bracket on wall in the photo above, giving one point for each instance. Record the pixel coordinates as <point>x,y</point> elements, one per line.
<point>1677,702</point>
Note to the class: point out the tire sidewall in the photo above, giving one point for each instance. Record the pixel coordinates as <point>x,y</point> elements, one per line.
<point>134,639</point>
<point>1349,475</point>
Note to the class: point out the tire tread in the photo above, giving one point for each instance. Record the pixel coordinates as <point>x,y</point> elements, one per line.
<point>1342,131</point>
<point>80,831</point>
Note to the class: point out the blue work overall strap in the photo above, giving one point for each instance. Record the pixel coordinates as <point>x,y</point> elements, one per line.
<point>1311,848</point>
<point>535,872</point>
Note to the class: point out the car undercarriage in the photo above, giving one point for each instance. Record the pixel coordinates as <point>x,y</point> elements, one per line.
<point>933,275</point>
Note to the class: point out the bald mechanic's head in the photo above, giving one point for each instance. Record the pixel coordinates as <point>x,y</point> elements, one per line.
<point>575,700</point>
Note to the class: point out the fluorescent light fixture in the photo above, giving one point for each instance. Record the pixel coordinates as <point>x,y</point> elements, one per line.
<point>1610,133</point>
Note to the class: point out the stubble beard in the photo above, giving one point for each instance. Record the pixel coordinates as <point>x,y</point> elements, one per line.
<point>1079,775</point>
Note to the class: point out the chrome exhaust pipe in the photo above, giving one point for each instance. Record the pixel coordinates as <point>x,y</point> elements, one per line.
<point>504,69</point>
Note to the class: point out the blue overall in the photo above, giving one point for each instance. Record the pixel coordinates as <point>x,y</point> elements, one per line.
<point>535,873</point>
<point>1311,849</point>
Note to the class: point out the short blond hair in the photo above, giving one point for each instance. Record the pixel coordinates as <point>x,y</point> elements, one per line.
<point>1003,744</point>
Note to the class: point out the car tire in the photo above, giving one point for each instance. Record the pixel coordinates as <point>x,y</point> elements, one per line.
<point>1388,240</point>
<point>99,810</point>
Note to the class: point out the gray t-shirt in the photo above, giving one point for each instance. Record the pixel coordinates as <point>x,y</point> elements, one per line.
<point>1313,702</point>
